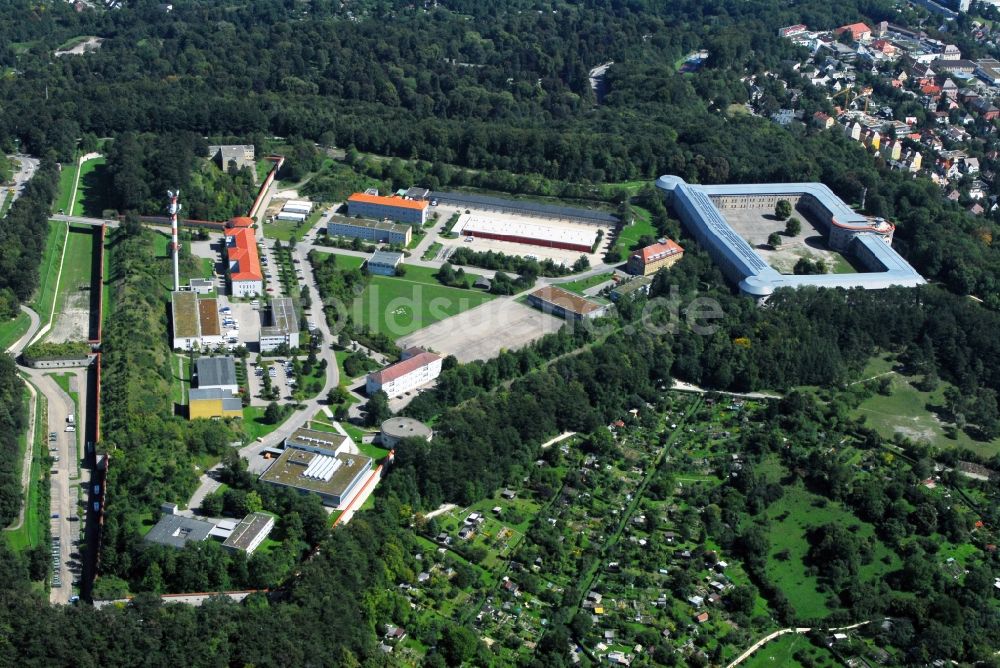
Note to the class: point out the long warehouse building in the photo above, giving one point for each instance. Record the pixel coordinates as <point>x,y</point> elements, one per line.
<point>868,240</point>
<point>575,239</point>
<point>401,210</point>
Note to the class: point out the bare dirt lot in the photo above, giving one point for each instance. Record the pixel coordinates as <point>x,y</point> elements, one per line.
<point>755,225</point>
<point>73,322</point>
<point>481,333</point>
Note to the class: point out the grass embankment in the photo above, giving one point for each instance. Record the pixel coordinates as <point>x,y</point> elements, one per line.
<point>92,190</point>
<point>67,177</point>
<point>399,305</point>
<point>12,330</point>
<point>630,234</point>
<point>32,531</point>
<point>49,269</point>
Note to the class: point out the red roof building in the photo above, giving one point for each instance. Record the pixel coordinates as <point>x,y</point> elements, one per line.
<point>245,277</point>
<point>858,31</point>
<point>651,259</point>
<point>240,221</point>
<point>394,208</point>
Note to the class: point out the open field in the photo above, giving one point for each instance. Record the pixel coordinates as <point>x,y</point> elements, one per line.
<point>253,423</point>
<point>917,415</point>
<point>791,518</point>
<point>286,230</point>
<point>91,194</point>
<point>78,288</point>
<point>481,333</point>
<point>755,225</point>
<point>781,652</point>
<point>399,306</point>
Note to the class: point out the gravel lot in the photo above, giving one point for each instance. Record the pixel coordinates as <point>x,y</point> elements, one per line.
<point>483,332</point>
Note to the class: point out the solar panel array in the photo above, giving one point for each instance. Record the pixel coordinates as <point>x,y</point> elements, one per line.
<point>544,210</point>
<point>322,468</point>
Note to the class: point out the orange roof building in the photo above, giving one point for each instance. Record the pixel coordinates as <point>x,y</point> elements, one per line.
<point>399,209</point>
<point>649,260</point>
<point>243,263</point>
<point>240,221</point>
<point>859,31</point>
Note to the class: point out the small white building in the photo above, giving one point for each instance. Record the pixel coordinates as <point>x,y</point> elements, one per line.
<point>384,263</point>
<point>418,367</point>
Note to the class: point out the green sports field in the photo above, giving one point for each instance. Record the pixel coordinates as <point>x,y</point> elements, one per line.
<point>398,306</point>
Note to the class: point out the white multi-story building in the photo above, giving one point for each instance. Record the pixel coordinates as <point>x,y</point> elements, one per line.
<point>284,327</point>
<point>418,367</point>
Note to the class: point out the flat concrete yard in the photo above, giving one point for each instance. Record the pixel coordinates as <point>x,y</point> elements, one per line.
<point>481,333</point>
<point>755,225</point>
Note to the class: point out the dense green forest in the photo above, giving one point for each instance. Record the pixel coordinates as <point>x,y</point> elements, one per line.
<point>490,94</point>
<point>143,167</point>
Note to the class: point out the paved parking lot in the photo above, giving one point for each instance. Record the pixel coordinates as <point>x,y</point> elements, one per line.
<point>248,319</point>
<point>279,379</point>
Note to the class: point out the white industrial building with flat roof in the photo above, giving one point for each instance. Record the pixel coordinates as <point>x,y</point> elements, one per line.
<point>283,327</point>
<point>579,238</point>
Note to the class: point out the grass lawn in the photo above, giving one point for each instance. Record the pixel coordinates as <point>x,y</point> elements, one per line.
<point>790,518</point>
<point>356,433</point>
<point>91,193</point>
<point>630,234</point>
<point>78,265</point>
<point>400,305</point>
<point>12,330</point>
<point>585,283</point>
<point>31,531</point>
<point>432,251</point>
<point>181,384</point>
<point>780,652</point>
<point>67,175</point>
<point>49,269</point>
<point>253,422</point>
<point>906,411</point>
<point>347,261</point>
<point>285,230</point>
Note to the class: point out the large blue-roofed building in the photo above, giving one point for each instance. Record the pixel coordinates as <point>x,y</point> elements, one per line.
<point>866,239</point>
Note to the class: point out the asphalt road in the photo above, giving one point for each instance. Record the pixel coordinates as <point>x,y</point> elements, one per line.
<point>67,474</point>
<point>26,170</point>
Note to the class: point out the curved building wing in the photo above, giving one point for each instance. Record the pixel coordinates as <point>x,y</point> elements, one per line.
<point>868,240</point>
